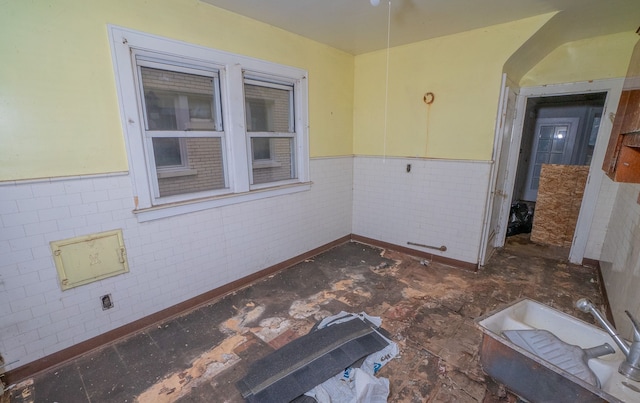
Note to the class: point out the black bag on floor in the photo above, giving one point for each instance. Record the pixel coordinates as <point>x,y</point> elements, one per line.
<point>520,219</point>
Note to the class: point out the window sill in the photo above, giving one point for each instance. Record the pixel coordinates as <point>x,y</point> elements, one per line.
<point>177,173</point>
<point>260,164</point>
<point>174,209</point>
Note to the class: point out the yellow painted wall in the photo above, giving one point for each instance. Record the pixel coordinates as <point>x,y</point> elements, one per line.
<point>588,59</point>
<point>59,113</point>
<point>463,71</point>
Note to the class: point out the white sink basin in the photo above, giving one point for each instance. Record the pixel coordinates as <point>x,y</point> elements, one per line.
<point>528,314</point>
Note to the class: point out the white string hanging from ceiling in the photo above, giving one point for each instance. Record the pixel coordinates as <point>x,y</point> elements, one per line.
<point>386,80</point>
<point>386,83</point>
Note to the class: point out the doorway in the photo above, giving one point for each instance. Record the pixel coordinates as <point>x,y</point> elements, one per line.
<point>510,145</point>
<point>556,130</point>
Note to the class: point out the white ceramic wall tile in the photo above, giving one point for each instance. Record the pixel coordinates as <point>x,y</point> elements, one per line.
<point>19,219</point>
<point>69,200</point>
<point>173,259</point>
<point>8,206</point>
<point>437,203</point>
<point>41,227</point>
<point>87,209</point>
<point>620,258</point>
<point>170,260</point>
<point>35,203</point>
<point>81,186</point>
<point>48,189</point>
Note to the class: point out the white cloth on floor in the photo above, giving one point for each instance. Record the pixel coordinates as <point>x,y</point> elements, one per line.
<point>357,385</point>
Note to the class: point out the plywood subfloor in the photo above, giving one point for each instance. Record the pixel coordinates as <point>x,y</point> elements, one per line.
<point>428,308</point>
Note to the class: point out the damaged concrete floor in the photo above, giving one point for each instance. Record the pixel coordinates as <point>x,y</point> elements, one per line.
<point>428,308</point>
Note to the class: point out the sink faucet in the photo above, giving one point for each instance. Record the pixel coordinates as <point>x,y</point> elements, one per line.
<point>630,367</point>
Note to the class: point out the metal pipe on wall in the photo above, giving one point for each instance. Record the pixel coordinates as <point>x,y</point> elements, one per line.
<point>440,248</point>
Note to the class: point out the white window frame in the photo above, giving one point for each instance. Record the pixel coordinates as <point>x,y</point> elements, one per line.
<point>142,58</point>
<point>255,78</point>
<point>231,73</point>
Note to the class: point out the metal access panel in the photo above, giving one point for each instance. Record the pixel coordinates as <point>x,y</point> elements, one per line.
<point>88,258</point>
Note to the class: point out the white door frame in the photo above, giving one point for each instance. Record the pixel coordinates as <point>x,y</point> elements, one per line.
<point>613,87</point>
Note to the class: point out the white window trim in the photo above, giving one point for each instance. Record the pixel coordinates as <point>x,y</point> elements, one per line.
<point>230,67</point>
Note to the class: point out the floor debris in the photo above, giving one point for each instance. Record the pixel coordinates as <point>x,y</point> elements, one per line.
<point>427,310</point>
<point>335,344</point>
<point>207,366</point>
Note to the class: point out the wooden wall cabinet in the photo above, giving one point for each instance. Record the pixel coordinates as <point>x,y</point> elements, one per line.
<point>622,160</point>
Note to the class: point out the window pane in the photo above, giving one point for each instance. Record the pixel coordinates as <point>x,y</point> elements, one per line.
<point>166,152</point>
<point>202,168</point>
<point>261,148</point>
<point>178,101</point>
<point>279,166</point>
<point>268,109</point>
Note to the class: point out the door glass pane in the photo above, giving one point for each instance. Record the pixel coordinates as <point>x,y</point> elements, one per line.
<point>542,158</point>
<point>536,170</point>
<point>202,166</point>
<point>544,145</point>
<point>546,132</point>
<point>178,101</point>
<point>555,159</point>
<point>280,162</point>
<point>558,145</point>
<point>561,132</point>
<point>594,131</point>
<point>535,182</point>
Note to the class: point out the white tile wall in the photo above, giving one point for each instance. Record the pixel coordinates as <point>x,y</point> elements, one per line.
<point>620,259</point>
<point>170,259</point>
<point>440,202</point>
<point>601,218</point>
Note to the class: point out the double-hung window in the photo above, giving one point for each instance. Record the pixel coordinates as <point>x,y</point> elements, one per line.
<point>270,112</point>
<point>183,132</point>
<point>206,128</point>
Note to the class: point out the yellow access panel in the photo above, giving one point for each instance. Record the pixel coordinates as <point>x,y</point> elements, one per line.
<point>88,258</point>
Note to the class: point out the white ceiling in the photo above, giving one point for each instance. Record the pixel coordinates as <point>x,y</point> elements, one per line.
<point>356,26</point>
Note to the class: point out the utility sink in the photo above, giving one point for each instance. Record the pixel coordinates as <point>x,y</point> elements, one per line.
<point>536,380</point>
